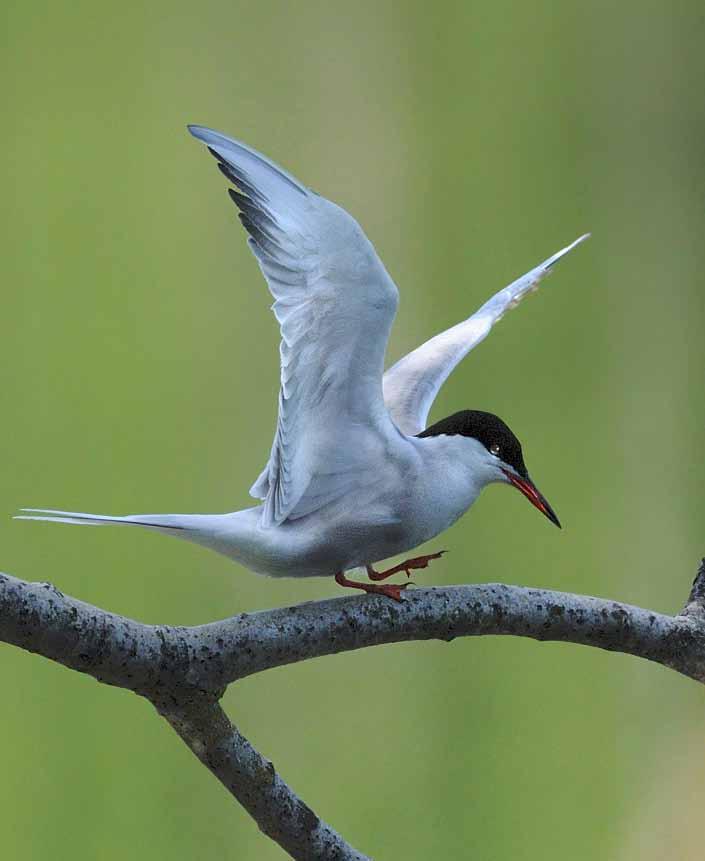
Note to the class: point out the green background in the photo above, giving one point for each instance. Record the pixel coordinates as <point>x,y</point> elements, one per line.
<point>138,364</point>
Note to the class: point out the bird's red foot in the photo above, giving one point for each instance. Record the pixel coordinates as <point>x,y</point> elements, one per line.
<point>392,591</point>
<point>407,566</point>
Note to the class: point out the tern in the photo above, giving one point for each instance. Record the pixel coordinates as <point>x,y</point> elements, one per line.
<point>354,475</point>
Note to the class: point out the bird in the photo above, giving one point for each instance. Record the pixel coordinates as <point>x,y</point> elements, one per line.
<point>355,475</point>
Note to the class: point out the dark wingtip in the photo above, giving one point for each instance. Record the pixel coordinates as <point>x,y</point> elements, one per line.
<point>236,198</point>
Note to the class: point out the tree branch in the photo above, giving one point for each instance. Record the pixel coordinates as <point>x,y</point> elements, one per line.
<point>254,782</point>
<point>184,671</point>
<point>252,643</point>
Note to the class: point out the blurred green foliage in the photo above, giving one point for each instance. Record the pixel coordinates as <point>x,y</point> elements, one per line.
<point>139,373</point>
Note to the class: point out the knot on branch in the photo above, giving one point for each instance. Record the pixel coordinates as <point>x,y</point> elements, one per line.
<point>695,607</point>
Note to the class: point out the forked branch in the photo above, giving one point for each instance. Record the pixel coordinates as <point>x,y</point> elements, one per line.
<point>183,671</point>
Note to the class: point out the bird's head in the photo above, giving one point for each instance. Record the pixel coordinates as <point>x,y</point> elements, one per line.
<point>495,453</point>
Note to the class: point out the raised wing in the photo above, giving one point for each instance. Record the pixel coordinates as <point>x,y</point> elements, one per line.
<point>335,304</point>
<point>411,385</point>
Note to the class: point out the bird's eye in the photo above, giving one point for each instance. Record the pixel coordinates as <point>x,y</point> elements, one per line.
<point>494,449</point>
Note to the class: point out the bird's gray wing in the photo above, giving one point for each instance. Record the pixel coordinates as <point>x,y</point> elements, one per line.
<point>335,304</point>
<point>411,385</point>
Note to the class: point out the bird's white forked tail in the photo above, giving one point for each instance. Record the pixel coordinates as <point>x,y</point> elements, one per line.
<point>206,530</point>
<point>80,518</point>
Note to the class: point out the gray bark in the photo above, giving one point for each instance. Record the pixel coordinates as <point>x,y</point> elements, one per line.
<point>184,671</point>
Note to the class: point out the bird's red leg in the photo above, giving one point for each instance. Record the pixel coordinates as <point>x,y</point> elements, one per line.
<point>391,591</point>
<point>407,566</point>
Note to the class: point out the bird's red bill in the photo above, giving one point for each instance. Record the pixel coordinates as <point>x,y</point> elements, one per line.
<point>531,492</point>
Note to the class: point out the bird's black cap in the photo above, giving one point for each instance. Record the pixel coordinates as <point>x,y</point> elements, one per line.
<point>486,428</point>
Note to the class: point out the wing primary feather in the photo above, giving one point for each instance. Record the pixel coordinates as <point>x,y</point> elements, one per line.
<point>245,186</point>
<point>229,173</point>
<point>237,177</point>
<point>217,143</point>
<point>240,200</point>
<point>255,216</point>
<point>260,236</point>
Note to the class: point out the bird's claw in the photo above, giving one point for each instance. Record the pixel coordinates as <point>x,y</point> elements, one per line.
<point>391,590</point>
<point>421,561</point>
<point>407,566</point>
